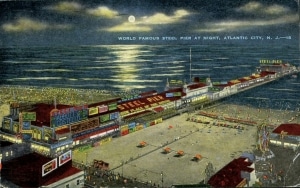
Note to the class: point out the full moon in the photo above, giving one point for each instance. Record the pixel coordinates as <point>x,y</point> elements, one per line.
<point>131,19</point>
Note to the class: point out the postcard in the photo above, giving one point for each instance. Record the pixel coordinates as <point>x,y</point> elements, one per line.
<point>168,93</point>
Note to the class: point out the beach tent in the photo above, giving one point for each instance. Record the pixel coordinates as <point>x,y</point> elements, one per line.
<point>180,153</point>
<point>143,144</point>
<point>197,157</point>
<point>167,150</point>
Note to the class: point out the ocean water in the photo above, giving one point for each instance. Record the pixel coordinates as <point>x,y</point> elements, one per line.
<point>147,67</point>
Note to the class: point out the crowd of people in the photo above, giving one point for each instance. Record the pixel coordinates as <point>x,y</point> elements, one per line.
<point>68,96</point>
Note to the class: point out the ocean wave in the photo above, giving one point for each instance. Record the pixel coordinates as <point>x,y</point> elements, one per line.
<point>295,83</point>
<point>244,66</point>
<point>48,70</point>
<point>222,58</point>
<point>284,89</point>
<point>73,79</point>
<point>100,67</point>
<point>118,79</point>
<point>164,75</point>
<point>258,98</point>
<point>31,62</point>
<point>207,59</point>
<point>225,67</point>
<point>130,60</point>
<point>168,62</point>
<point>129,87</point>
<point>200,69</point>
<point>36,78</point>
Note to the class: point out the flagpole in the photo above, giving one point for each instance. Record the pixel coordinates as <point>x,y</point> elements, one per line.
<point>190,65</point>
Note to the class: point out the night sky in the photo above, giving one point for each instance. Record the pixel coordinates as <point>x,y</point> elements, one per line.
<point>94,22</point>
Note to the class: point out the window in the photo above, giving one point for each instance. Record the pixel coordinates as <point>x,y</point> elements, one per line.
<point>78,182</point>
<point>67,186</point>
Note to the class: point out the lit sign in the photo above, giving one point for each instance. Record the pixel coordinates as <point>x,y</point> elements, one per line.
<point>26,125</point>
<point>64,158</point>
<point>177,94</point>
<point>47,133</point>
<point>93,111</point>
<point>49,167</point>
<point>104,118</point>
<point>169,94</point>
<point>140,103</point>
<point>114,116</point>
<point>29,116</point>
<point>68,115</point>
<point>92,123</point>
<point>112,106</point>
<point>270,61</point>
<point>26,131</point>
<point>102,108</point>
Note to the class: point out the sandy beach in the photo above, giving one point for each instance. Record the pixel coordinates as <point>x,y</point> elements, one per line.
<point>61,95</point>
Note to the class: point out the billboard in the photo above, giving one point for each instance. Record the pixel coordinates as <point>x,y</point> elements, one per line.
<point>104,117</point>
<point>68,115</point>
<point>112,106</point>
<point>49,167</point>
<point>102,108</point>
<point>114,115</point>
<point>62,159</point>
<point>26,131</point>
<point>29,116</point>
<point>89,124</point>
<point>169,95</point>
<point>93,111</point>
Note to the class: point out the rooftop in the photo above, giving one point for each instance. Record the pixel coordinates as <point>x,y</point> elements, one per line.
<point>43,113</point>
<point>26,171</point>
<point>230,175</point>
<point>291,129</point>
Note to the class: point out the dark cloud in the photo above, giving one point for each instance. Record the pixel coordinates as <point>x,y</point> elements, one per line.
<point>91,21</point>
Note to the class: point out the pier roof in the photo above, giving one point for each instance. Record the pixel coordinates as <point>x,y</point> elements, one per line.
<point>148,102</point>
<point>196,86</point>
<point>291,129</point>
